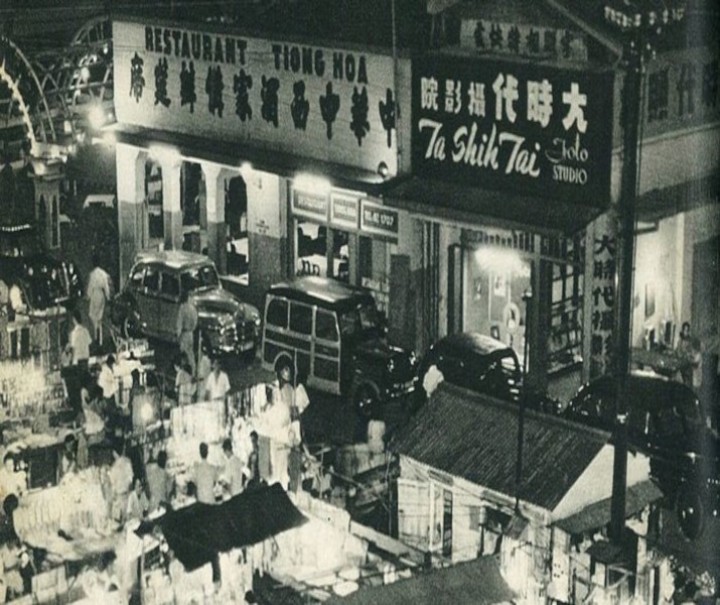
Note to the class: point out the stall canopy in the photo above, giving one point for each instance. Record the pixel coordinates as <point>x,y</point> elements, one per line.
<point>200,531</point>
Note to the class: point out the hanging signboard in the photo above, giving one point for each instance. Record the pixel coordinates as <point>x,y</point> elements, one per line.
<point>331,104</point>
<point>344,211</point>
<point>530,128</point>
<point>379,220</point>
<point>310,205</point>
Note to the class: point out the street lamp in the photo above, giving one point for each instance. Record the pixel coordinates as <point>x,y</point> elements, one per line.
<point>642,23</point>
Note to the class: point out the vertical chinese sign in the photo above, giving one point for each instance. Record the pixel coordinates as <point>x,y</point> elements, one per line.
<point>602,285</point>
<point>510,125</point>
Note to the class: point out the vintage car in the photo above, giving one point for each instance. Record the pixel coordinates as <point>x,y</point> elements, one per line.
<point>44,280</point>
<point>337,337</point>
<point>666,421</point>
<point>149,302</point>
<point>479,363</point>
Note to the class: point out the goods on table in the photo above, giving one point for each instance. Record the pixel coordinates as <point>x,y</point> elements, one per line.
<point>27,390</point>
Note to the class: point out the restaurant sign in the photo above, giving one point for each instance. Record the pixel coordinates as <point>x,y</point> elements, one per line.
<point>530,128</point>
<point>331,104</point>
<point>379,220</point>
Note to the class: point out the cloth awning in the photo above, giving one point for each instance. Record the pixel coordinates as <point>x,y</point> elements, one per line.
<point>234,154</point>
<point>200,531</point>
<point>597,515</point>
<point>466,204</point>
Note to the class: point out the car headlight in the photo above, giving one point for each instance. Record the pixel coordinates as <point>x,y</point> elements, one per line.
<point>390,365</point>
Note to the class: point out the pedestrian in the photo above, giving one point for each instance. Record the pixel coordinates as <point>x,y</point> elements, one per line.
<point>253,467</point>
<point>137,504</point>
<point>232,475</point>
<point>159,482</point>
<point>687,352</point>
<point>4,317</point>
<point>205,475</point>
<point>98,293</point>
<point>184,385</point>
<point>106,381</point>
<point>79,342</point>
<point>217,384</point>
<point>204,367</point>
<point>187,321</point>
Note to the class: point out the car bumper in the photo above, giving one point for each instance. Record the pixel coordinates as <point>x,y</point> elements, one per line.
<point>403,388</point>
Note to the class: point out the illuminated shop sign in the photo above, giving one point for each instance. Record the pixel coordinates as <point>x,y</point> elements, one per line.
<point>531,128</point>
<point>331,104</point>
<point>311,205</point>
<point>379,220</point>
<point>344,211</point>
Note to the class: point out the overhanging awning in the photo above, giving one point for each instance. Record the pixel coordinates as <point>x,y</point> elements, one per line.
<point>466,204</point>
<point>234,154</point>
<point>200,531</point>
<point>657,204</point>
<point>597,515</point>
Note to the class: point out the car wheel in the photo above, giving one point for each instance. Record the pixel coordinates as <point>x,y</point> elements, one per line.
<point>130,326</point>
<point>690,513</point>
<point>366,400</point>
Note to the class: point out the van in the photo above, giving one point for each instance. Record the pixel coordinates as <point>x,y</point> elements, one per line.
<point>336,337</point>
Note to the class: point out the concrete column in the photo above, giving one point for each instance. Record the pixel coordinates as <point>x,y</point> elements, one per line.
<point>47,208</point>
<point>132,221</point>
<point>214,213</point>
<point>170,165</point>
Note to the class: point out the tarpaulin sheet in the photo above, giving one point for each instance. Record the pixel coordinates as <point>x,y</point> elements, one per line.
<point>200,531</point>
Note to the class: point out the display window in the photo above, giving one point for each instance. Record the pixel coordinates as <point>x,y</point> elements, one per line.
<point>321,250</point>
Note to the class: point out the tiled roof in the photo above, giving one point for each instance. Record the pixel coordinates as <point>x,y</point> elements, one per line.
<point>597,515</point>
<point>476,582</point>
<point>475,437</point>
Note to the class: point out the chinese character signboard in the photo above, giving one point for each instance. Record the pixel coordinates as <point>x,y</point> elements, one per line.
<point>330,104</point>
<point>602,298</point>
<point>522,40</point>
<point>534,129</point>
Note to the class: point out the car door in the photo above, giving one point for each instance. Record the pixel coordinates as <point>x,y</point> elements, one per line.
<point>326,351</point>
<point>148,301</point>
<point>168,304</point>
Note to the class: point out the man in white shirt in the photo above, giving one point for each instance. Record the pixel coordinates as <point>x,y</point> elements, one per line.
<point>79,342</point>
<point>106,380</point>
<point>205,475</point>
<point>232,476</point>
<point>98,293</point>
<point>217,384</point>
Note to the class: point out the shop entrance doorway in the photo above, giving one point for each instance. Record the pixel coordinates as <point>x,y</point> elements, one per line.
<point>236,219</point>
<point>321,250</point>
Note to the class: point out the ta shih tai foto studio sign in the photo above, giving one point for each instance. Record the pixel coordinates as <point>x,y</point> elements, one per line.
<point>330,104</point>
<point>533,129</point>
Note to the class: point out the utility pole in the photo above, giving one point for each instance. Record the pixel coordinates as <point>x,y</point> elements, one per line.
<point>641,20</point>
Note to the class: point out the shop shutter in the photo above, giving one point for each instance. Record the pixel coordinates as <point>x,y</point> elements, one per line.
<point>413,512</point>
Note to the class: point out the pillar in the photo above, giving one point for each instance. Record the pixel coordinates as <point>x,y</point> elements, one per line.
<point>214,213</point>
<point>132,223</point>
<point>170,164</point>
<point>47,208</point>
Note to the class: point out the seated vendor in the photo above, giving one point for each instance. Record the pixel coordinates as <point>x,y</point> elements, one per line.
<point>11,480</point>
<point>68,457</point>
<point>90,399</point>
<point>137,504</point>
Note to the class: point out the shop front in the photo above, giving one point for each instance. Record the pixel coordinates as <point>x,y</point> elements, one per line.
<point>258,152</point>
<point>511,161</point>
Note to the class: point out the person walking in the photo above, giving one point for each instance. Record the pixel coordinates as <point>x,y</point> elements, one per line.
<point>187,321</point>
<point>98,293</point>
<point>205,475</point>
<point>159,482</point>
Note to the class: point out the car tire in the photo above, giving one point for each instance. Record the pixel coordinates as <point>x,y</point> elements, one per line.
<point>129,327</point>
<point>366,400</point>
<point>690,512</point>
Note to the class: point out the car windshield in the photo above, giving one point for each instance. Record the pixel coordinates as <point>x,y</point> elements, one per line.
<point>363,320</point>
<point>199,278</point>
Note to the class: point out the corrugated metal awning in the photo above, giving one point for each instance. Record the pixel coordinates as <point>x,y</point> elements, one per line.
<point>597,515</point>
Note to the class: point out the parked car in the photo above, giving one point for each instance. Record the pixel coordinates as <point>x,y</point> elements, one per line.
<point>149,302</point>
<point>667,422</point>
<point>337,337</point>
<point>44,280</point>
<point>479,363</point>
